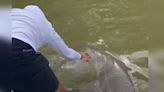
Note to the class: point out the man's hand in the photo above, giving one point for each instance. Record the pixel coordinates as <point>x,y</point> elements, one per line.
<point>85,56</point>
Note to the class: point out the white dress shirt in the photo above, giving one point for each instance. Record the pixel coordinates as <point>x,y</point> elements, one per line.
<point>31,26</point>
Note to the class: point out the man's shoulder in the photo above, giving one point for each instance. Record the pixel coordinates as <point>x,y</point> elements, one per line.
<point>35,10</point>
<point>32,8</point>
<point>32,11</point>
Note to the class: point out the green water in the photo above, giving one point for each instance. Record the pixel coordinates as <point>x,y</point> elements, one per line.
<point>113,25</point>
<point>117,26</point>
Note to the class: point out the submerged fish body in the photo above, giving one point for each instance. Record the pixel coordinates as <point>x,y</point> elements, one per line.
<point>112,75</point>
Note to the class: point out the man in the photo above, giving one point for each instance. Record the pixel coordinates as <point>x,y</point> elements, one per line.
<point>29,70</point>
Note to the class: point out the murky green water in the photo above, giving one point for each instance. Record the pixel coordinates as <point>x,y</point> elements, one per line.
<point>116,26</point>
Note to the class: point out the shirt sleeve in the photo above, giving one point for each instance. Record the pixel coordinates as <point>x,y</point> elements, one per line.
<point>56,42</point>
<point>52,37</point>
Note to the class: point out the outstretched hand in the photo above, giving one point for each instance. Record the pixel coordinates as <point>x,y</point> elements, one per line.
<point>85,56</point>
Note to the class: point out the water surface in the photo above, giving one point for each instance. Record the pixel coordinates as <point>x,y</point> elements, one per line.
<point>115,26</point>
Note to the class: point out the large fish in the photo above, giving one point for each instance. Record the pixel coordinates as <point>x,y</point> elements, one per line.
<point>112,74</point>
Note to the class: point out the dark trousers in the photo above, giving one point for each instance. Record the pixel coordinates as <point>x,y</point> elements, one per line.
<point>28,71</point>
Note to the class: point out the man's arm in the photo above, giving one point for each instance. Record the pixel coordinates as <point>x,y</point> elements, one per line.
<point>56,42</point>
